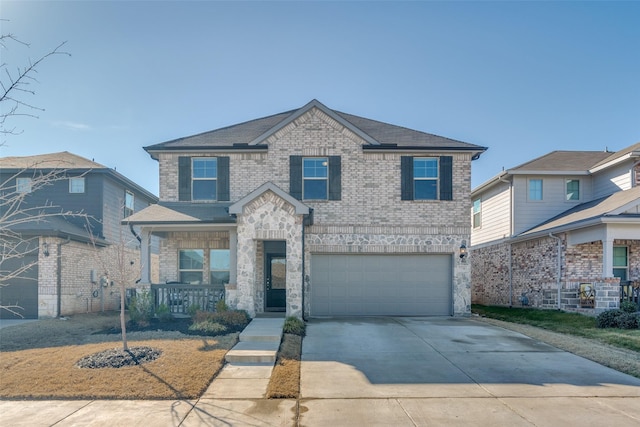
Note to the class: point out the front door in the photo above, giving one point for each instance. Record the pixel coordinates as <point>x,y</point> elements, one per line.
<point>276,282</point>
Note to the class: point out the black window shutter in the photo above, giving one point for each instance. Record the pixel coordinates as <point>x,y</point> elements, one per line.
<point>184,178</point>
<point>295,176</point>
<point>335,178</point>
<point>223,179</point>
<point>406,178</point>
<point>446,178</point>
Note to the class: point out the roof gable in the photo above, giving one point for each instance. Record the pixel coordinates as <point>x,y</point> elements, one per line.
<point>300,208</point>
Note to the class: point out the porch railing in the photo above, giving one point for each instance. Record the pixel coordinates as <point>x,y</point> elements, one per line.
<point>182,298</point>
<point>630,291</point>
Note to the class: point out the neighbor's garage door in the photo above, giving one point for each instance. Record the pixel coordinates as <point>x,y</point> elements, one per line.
<point>21,291</point>
<point>398,285</point>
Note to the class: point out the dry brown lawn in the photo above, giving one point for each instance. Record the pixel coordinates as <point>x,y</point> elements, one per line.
<point>38,361</point>
<point>285,378</point>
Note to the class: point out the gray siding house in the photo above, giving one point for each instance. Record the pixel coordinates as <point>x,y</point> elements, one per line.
<point>315,212</point>
<point>65,267</point>
<point>561,231</point>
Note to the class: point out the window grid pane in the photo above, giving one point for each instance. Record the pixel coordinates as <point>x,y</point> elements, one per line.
<point>204,174</point>
<point>76,185</point>
<point>23,185</point>
<point>425,178</point>
<point>315,172</point>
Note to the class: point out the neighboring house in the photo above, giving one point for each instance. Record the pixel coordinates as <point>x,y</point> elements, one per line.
<point>66,264</point>
<point>316,212</point>
<point>561,231</point>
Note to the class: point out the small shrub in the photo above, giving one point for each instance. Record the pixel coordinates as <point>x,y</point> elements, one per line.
<point>192,310</point>
<point>628,306</point>
<point>221,306</point>
<point>617,319</point>
<point>141,308</point>
<point>233,319</point>
<point>163,313</point>
<point>295,326</point>
<point>208,327</point>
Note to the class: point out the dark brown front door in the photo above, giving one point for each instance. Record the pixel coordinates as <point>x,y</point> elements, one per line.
<point>276,282</point>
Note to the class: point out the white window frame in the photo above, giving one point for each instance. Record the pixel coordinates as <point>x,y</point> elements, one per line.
<point>76,185</point>
<point>325,161</point>
<point>626,259</point>
<point>477,213</point>
<point>529,181</point>
<point>129,203</point>
<point>566,190</point>
<point>211,267</point>
<point>191,270</point>
<point>436,178</point>
<point>194,179</point>
<point>24,185</point>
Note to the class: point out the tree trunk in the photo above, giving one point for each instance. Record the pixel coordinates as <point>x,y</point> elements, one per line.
<point>123,321</point>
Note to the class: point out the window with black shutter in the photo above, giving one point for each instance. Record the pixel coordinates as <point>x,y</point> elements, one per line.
<point>426,178</point>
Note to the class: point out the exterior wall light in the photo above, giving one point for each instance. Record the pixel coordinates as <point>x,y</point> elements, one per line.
<point>45,249</point>
<point>463,251</point>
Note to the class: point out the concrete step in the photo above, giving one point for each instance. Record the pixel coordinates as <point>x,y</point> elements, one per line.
<point>263,330</point>
<point>253,352</point>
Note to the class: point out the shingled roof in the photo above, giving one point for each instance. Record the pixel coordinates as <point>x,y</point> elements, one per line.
<point>252,134</point>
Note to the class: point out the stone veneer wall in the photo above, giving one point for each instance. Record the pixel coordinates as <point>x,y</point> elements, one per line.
<point>268,217</point>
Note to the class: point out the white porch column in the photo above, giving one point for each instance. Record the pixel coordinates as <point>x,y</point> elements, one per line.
<point>145,256</point>
<point>607,257</point>
<point>233,256</point>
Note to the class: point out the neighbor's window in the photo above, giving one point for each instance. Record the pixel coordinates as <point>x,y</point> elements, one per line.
<point>219,267</point>
<point>535,189</point>
<point>315,175</point>
<point>477,213</point>
<point>573,189</point>
<point>425,178</point>
<point>191,266</point>
<point>76,185</point>
<point>23,185</point>
<point>204,175</point>
<point>621,262</point>
<point>129,203</point>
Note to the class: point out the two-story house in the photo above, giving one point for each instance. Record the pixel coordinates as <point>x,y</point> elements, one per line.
<point>316,212</point>
<point>52,265</point>
<point>556,230</point>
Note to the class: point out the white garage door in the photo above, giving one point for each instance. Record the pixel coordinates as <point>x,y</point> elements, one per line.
<point>364,285</point>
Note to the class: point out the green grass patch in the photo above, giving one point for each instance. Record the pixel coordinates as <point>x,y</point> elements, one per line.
<point>564,323</point>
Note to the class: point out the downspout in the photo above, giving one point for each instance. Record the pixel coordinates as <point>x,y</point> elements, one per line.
<point>559,240</point>
<point>59,276</point>
<point>303,270</point>
<point>134,233</point>
<point>511,231</point>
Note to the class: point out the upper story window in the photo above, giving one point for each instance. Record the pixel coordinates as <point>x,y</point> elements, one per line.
<point>477,213</point>
<point>621,262</point>
<point>425,176</point>
<point>315,178</point>
<point>204,178</point>
<point>535,189</point>
<point>572,187</point>
<point>23,185</point>
<point>129,203</point>
<point>315,175</point>
<point>76,185</point>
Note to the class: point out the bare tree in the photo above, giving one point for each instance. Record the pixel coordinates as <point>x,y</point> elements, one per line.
<point>17,84</point>
<point>119,263</point>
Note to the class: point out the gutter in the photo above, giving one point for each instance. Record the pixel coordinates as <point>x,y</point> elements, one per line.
<point>559,272</point>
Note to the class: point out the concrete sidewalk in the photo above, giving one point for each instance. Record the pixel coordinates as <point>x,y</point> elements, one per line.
<point>438,372</point>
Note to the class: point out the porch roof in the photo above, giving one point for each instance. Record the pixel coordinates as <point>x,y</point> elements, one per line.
<point>182,213</point>
<point>623,205</point>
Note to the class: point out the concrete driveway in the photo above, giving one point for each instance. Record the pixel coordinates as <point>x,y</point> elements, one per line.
<point>452,371</point>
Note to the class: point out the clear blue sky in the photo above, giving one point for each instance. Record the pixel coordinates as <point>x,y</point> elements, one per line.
<point>522,78</point>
